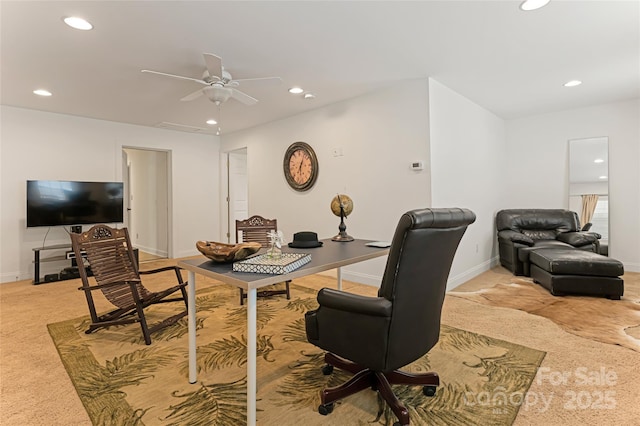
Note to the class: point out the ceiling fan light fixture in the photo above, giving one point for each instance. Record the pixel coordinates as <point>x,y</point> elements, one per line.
<point>78,23</point>
<point>296,90</point>
<point>218,94</point>
<point>42,92</point>
<point>529,5</point>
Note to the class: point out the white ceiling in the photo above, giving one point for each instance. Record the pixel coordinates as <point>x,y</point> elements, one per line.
<point>512,63</point>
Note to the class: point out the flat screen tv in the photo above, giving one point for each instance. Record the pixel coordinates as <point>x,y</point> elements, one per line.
<point>57,202</point>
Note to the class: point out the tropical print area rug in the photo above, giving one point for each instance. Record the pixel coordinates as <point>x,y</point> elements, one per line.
<point>121,381</point>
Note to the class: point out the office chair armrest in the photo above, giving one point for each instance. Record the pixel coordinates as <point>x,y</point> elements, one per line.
<point>348,302</point>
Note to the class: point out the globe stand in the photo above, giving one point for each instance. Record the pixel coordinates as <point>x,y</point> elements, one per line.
<point>342,236</point>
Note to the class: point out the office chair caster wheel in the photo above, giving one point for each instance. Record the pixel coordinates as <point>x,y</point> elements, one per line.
<point>327,369</point>
<point>325,409</point>
<point>429,390</point>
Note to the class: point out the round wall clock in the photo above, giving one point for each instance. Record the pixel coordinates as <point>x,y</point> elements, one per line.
<point>300,166</point>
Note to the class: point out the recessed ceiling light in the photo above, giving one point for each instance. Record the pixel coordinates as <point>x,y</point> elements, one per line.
<point>212,122</point>
<point>309,96</point>
<point>598,160</point>
<point>528,5</point>
<point>573,83</point>
<point>42,92</point>
<point>78,23</point>
<point>296,90</point>
<point>602,177</point>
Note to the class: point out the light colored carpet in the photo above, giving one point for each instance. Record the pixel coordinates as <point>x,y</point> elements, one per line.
<point>36,390</point>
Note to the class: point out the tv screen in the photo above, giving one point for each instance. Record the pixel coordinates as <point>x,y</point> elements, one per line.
<point>56,202</point>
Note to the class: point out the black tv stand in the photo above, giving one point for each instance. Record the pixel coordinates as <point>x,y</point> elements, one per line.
<point>68,256</point>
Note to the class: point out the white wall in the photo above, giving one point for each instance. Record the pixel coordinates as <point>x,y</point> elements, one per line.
<point>537,168</point>
<point>40,145</point>
<point>379,134</point>
<point>468,151</point>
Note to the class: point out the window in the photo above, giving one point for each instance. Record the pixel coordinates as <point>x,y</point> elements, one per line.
<point>600,219</point>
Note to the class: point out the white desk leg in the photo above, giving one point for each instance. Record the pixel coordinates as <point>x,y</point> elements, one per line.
<point>191,299</point>
<point>339,278</point>
<point>252,349</point>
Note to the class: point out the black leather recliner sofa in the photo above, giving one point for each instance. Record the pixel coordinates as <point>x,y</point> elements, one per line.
<point>521,231</point>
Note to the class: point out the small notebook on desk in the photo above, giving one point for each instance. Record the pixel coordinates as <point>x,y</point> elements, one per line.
<point>379,244</point>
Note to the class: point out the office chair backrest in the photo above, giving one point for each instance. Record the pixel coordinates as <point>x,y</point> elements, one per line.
<point>415,278</point>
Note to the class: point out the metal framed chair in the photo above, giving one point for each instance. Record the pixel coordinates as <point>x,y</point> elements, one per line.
<point>256,229</point>
<point>112,263</point>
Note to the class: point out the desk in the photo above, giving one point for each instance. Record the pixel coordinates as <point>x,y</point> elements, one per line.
<point>331,255</point>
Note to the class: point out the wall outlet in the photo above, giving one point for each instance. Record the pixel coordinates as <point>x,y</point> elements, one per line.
<point>417,165</point>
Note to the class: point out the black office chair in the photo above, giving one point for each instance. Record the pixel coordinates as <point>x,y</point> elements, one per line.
<point>372,337</point>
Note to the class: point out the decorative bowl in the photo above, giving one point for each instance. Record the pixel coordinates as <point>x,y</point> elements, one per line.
<point>225,253</point>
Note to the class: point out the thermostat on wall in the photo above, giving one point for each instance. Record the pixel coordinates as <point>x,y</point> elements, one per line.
<point>417,165</point>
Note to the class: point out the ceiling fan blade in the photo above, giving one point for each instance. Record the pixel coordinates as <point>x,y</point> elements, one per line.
<point>176,76</point>
<point>243,97</point>
<point>193,95</point>
<point>214,65</point>
<point>272,80</point>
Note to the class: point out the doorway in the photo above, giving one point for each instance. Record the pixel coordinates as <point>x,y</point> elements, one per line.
<point>147,183</point>
<point>237,190</point>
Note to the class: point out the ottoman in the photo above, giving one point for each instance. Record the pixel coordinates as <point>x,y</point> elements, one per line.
<point>570,271</point>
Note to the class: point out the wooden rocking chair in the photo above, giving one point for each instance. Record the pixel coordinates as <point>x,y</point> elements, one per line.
<point>256,229</point>
<point>112,262</point>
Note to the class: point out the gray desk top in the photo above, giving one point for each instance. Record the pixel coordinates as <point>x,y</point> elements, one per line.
<point>330,256</point>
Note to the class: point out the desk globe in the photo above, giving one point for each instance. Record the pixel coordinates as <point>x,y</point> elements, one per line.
<point>342,206</point>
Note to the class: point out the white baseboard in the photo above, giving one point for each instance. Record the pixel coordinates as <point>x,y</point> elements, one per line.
<point>360,278</point>
<point>152,250</point>
<point>186,253</point>
<point>465,276</point>
<point>631,267</point>
<point>355,277</point>
<point>10,277</point>
<point>374,280</point>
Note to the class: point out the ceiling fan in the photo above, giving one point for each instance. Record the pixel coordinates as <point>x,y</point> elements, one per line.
<point>218,82</point>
